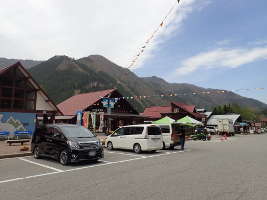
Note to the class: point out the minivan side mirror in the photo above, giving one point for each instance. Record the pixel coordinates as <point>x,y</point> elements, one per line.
<point>57,135</point>
<point>114,134</point>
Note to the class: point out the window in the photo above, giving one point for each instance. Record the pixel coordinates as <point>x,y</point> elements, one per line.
<point>127,131</point>
<point>76,132</point>
<point>137,130</point>
<point>57,134</point>
<point>165,129</point>
<point>176,110</point>
<point>118,132</point>
<point>153,130</point>
<point>16,92</point>
<point>18,104</point>
<point>7,92</point>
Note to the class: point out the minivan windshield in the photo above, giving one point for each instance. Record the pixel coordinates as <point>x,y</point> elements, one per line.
<point>76,131</point>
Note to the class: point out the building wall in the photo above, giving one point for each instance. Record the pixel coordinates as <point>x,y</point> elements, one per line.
<point>41,103</point>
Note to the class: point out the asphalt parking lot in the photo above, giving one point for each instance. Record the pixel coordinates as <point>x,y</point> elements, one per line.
<point>233,169</point>
<point>15,169</point>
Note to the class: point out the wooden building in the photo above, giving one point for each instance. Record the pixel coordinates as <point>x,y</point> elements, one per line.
<point>92,103</point>
<point>21,99</point>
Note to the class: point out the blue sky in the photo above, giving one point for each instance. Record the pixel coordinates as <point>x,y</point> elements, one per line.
<point>230,31</point>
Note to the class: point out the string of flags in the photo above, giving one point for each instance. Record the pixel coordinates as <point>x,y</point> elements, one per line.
<point>151,37</point>
<point>185,94</point>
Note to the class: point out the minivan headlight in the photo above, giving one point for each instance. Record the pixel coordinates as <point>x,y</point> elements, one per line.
<point>73,145</point>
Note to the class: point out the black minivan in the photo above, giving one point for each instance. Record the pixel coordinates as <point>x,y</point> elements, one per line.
<point>66,143</point>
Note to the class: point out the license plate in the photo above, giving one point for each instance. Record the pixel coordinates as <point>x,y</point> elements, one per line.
<point>92,153</point>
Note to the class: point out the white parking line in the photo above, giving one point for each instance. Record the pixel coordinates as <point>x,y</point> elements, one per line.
<point>42,165</point>
<point>28,177</point>
<point>58,171</point>
<point>126,154</point>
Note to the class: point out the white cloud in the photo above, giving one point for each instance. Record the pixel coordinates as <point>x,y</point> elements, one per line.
<point>38,29</point>
<point>218,58</point>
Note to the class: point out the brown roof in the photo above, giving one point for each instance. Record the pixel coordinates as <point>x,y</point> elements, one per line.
<point>264,119</point>
<point>190,109</point>
<point>185,107</point>
<point>82,101</point>
<point>155,111</point>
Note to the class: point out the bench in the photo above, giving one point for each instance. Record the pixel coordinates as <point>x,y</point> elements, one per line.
<point>21,141</point>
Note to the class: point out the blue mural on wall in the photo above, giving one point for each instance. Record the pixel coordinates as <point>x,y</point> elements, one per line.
<point>15,123</point>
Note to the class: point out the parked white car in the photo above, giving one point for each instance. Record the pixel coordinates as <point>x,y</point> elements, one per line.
<point>169,137</point>
<point>144,137</point>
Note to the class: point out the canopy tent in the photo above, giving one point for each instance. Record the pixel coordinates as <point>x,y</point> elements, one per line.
<point>189,121</point>
<point>164,120</point>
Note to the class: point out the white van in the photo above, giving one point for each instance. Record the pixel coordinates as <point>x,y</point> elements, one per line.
<point>144,137</point>
<point>169,136</point>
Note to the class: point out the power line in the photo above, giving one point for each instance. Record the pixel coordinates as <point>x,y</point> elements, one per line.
<point>148,41</point>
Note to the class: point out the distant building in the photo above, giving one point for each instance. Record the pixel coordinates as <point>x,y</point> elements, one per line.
<point>91,103</point>
<point>21,99</point>
<point>214,119</point>
<point>264,122</point>
<point>176,110</point>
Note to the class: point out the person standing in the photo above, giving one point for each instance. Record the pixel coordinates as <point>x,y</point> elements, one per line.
<point>182,139</point>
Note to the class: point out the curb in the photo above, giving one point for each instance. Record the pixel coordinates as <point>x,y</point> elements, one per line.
<point>15,155</point>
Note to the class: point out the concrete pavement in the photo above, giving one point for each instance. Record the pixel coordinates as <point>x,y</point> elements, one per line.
<point>233,169</point>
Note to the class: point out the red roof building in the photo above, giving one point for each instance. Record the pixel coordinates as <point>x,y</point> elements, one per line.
<point>123,112</point>
<point>176,111</point>
<point>80,102</point>
<point>156,112</point>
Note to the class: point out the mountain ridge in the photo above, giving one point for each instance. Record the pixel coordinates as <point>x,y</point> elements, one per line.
<point>27,63</point>
<point>95,72</point>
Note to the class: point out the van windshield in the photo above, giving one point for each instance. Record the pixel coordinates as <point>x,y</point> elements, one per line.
<point>77,132</point>
<point>153,130</point>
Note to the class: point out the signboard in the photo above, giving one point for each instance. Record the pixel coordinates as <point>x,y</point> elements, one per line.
<point>109,102</point>
<point>17,122</point>
<point>105,102</point>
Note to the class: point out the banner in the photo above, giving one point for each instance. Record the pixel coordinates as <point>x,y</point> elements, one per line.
<point>79,118</point>
<point>101,124</point>
<point>86,119</point>
<point>11,123</point>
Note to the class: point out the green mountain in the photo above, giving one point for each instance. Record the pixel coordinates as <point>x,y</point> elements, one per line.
<point>63,77</point>
<point>4,62</point>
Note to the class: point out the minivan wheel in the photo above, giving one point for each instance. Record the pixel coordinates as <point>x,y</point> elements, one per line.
<point>110,146</point>
<point>64,158</point>
<point>36,153</point>
<point>137,148</point>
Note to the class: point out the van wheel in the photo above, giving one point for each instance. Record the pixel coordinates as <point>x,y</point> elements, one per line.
<point>110,146</point>
<point>163,146</point>
<point>137,148</point>
<point>36,153</point>
<point>64,158</point>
